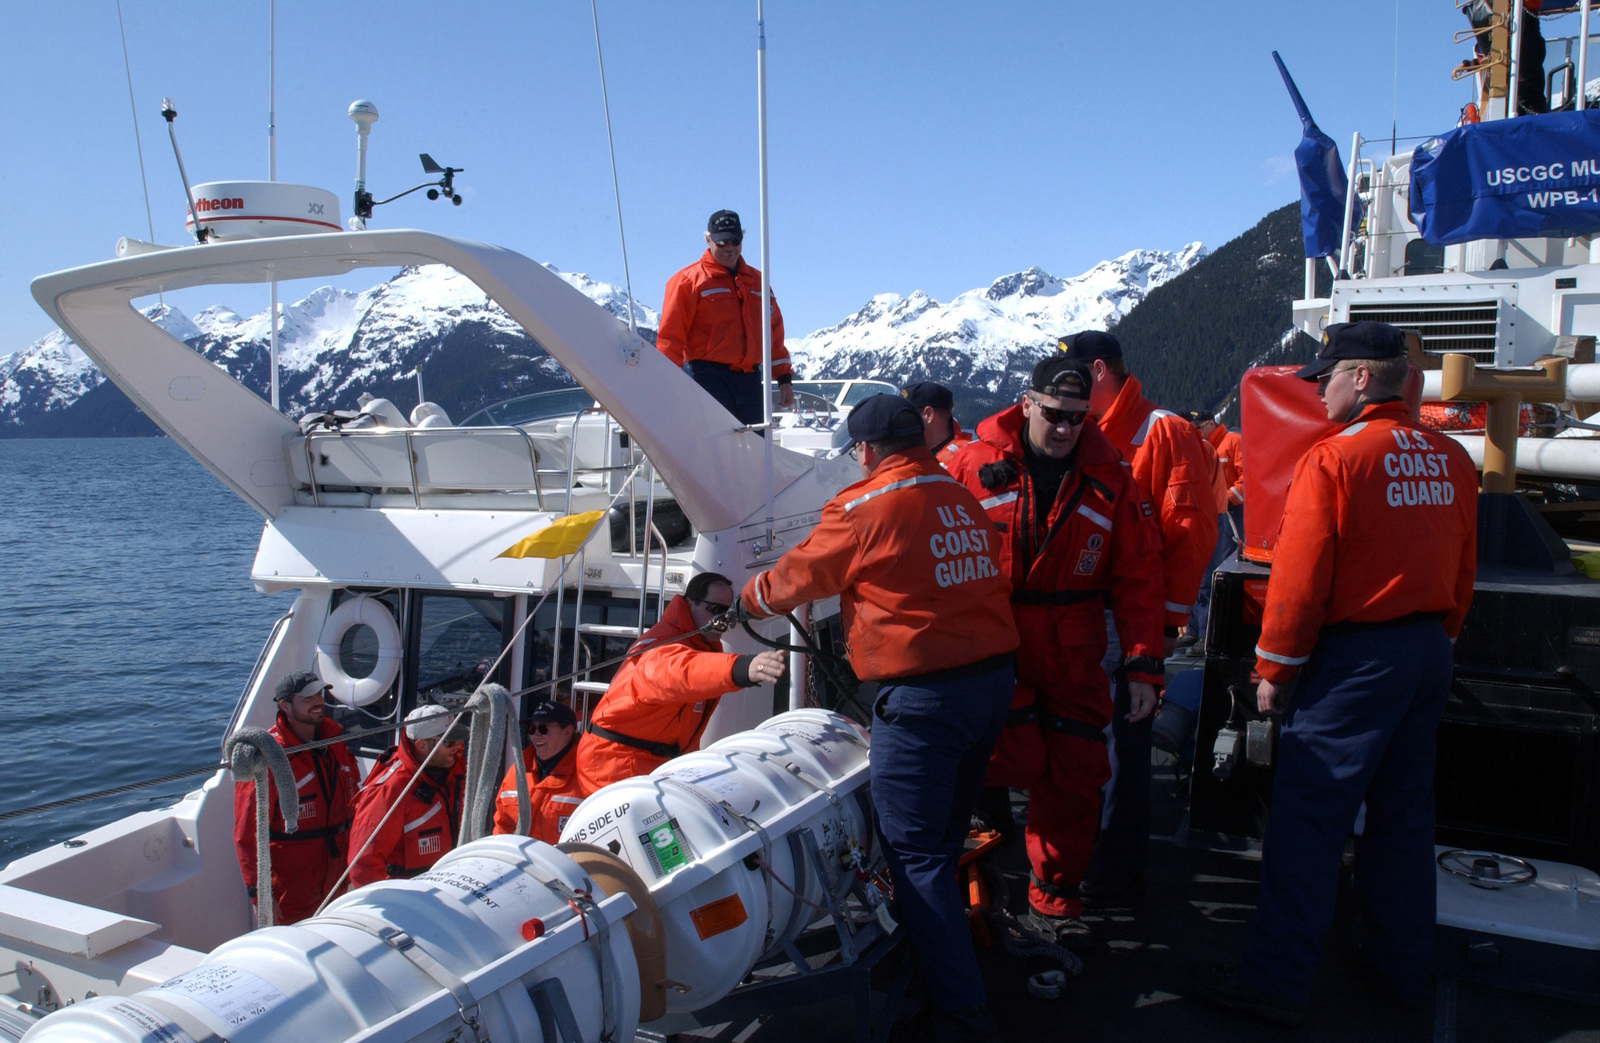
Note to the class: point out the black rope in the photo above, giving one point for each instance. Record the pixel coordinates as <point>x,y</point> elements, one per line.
<point>829,663</point>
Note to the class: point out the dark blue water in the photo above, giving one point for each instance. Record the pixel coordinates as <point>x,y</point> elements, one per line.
<point>128,625</point>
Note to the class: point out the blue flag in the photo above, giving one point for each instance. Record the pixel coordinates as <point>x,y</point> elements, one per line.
<point>1322,181</point>
<point>1529,176</point>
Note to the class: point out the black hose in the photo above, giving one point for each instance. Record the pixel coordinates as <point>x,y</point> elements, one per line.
<point>829,663</point>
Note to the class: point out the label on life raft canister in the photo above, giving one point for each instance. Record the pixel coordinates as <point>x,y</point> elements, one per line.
<point>665,847</point>
<point>157,1029</point>
<point>236,996</point>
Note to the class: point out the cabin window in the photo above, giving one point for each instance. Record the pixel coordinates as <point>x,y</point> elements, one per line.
<point>455,640</point>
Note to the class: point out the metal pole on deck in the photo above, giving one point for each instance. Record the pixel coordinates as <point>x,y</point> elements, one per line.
<point>272,170</point>
<point>766,261</point>
<point>1349,204</point>
<point>1583,54</point>
<point>1515,58</point>
<point>1311,278</point>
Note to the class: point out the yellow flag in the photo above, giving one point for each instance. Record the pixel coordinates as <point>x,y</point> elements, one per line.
<point>558,539</point>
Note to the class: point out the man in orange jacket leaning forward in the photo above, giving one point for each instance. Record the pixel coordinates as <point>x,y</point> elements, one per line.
<point>1371,580</point>
<point>927,614</point>
<point>661,699</point>
<point>711,323</point>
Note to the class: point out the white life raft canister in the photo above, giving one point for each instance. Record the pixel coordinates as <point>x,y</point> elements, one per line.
<point>497,937</point>
<point>728,837</point>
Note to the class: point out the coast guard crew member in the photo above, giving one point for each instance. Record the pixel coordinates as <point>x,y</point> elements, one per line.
<point>1173,468</point>
<point>551,765</point>
<point>942,435</point>
<point>1230,516</point>
<point>711,323</point>
<point>926,611</point>
<point>661,699</point>
<point>1076,536</point>
<point>425,825</point>
<point>307,862</point>
<point>1370,582</point>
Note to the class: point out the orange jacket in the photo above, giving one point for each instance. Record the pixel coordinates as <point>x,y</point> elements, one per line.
<point>326,780</point>
<point>709,313</point>
<point>1096,547</point>
<point>958,440</point>
<point>663,695</point>
<point>1230,453</point>
<point>915,565</point>
<point>552,794</point>
<point>1170,463</point>
<point>1381,522</point>
<point>420,831</point>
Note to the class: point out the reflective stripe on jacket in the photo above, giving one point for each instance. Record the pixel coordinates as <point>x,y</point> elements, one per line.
<point>420,832</point>
<point>711,314</point>
<point>326,781</point>
<point>662,695</point>
<point>915,565</point>
<point>1096,539</point>
<point>551,798</point>
<point>1380,523</point>
<point>959,440</point>
<point>1172,468</point>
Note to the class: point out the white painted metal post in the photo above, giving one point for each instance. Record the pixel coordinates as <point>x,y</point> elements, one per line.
<point>1311,278</point>
<point>1515,47</point>
<point>766,265</point>
<point>1583,53</point>
<point>1349,203</point>
<point>797,660</point>
<point>272,171</point>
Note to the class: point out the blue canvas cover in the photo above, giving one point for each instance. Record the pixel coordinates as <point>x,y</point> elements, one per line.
<point>1322,180</point>
<point>1507,179</point>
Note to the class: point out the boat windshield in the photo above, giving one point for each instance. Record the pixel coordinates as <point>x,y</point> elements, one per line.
<point>527,408</point>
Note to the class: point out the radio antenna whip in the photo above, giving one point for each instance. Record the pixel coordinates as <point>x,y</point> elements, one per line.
<point>631,356</point>
<point>170,114</point>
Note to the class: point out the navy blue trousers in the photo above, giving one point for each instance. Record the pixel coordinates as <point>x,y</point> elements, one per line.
<point>1360,726</point>
<point>930,746</point>
<point>739,393</point>
<point>1124,841</point>
<point>1225,548</point>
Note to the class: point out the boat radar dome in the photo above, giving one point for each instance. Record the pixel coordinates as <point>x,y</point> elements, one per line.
<point>233,210</point>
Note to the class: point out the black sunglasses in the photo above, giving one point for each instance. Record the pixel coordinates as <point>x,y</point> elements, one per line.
<point>726,242</point>
<point>720,608</point>
<point>542,728</point>
<point>1056,417</point>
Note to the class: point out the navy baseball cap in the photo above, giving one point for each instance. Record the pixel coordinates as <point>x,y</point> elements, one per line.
<point>724,225</point>
<point>928,393</point>
<point>302,682</point>
<point>883,417</point>
<point>1061,378</point>
<point>1354,340</point>
<point>553,713</point>
<point>1090,345</point>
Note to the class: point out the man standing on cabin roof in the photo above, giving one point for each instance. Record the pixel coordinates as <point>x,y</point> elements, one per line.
<point>926,611</point>
<point>1076,537</point>
<point>309,861</point>
<point>1173,468</point>
<point>661,699</point>
<point>1370,583</point>
<point>942,435</point>
<point>550,763</point>
<point>1230,518</point>
<point>711,324</point>
<point>424,827</point>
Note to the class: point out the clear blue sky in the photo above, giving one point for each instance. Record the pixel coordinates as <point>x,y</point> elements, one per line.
<point>913,145</point>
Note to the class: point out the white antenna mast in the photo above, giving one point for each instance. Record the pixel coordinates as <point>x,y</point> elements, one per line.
<point>272,168</point>
<point>127,69</point>
<point>631,356</point>
<point>766,268</point>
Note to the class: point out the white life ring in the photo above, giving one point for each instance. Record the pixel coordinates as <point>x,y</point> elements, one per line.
<point>359,611</point>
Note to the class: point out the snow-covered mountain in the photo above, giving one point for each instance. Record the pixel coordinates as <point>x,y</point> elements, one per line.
<point>335,344</point>
<point>984,342</point>
<point>332,346</point>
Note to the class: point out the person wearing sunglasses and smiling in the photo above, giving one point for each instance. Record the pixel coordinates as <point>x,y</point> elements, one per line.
<point>661,699</point>
<point>551,767</point>
<point>1077,535</point>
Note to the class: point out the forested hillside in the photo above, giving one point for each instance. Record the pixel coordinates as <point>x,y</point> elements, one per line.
<point>1192,337</point>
